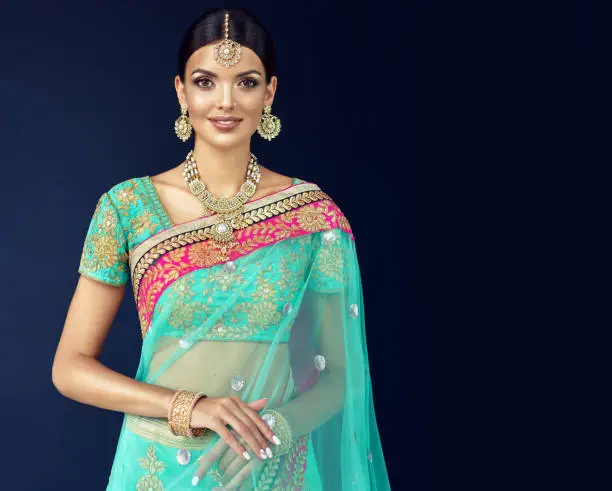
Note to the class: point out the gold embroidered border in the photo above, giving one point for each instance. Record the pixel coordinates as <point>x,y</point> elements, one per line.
<point>263,212</point>
<point>199,223</point>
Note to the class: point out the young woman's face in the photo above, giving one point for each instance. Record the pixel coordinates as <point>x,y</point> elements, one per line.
<point>212,90</point>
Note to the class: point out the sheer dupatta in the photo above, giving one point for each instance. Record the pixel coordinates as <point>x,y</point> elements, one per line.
<point>278,315</point>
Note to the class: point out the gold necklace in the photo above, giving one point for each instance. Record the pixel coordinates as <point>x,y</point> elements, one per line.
<point>229,209</point>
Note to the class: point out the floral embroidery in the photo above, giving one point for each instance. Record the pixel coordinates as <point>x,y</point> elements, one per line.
<point>329,271</point>
<point>291,475</point>
<point>144,222</point>
<point>311,219</point>
<point>150,281</point>
<point>265,225</point>
<point>205,254</point>
<point>288,467</point>
<point>150,463</point>
<point>137,206</point>
<point>124,216</point>
<point>104,256</point>
<point>126,196</point>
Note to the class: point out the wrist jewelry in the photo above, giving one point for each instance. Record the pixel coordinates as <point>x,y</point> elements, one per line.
<point>180,410</point>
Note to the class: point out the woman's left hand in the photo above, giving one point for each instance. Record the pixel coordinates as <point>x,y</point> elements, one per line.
<point>235,469</point>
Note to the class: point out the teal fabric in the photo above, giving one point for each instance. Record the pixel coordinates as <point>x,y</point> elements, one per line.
<point>286,319</point>
<point>124,216</point>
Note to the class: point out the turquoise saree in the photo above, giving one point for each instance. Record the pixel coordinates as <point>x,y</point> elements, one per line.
<point>276,314</point>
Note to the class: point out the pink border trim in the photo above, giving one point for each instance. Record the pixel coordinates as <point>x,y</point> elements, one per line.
<point>259,235</point>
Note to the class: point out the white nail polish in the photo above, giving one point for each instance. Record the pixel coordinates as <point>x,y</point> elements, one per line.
<point>269,452</point>
<point>262,454</point>
<point>246,455</point>
<point>276,440</point>
<point>195,481</point>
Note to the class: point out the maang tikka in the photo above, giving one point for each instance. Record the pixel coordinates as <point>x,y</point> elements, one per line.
<point>227,52</point>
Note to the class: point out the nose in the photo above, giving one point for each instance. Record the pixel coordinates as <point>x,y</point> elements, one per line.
<point>226,102</point>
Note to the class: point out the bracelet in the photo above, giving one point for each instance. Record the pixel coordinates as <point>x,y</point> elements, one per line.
<point>180,409</point>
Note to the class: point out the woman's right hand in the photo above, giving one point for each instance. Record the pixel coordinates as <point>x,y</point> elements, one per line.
<point>217,412</point>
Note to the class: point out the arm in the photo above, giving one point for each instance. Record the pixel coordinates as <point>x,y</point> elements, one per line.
<point>325,398</point>
<point>327,317</point>
<point>76,371</point>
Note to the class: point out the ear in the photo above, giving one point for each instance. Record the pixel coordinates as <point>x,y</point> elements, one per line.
<point>270,91</point>
<point>180,89</point>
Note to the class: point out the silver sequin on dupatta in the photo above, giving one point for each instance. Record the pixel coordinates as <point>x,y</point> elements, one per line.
<point>237,383</point>
<point>329,237</point>
<point>186,342</point>
<point>320,362</point>
<point>269,419</point>
<point>183,456</point>
<point>354,310</point>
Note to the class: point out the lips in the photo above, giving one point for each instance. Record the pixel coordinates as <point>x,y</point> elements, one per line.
<point>225,123</point>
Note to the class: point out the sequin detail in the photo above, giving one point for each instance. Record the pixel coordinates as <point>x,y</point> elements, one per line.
<point>229,266</point>
<point>183,456</point>
<point>237,383</point>
<point>186,342</point>
<point>287,308</point>
<point>329,237</point>
<point>319,362</point>
<point>269,419</point>
<point>354,310</point>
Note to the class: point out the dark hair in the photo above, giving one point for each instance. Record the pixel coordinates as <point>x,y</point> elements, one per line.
<point>244,28</point>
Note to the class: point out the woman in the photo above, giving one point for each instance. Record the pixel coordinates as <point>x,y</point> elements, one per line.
<point>254,369</point>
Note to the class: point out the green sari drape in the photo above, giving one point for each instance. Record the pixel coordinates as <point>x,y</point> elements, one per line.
<point>278,314</point>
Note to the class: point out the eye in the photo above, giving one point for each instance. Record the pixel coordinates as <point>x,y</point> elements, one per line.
<point>197,82</point>
<point>253,83</point>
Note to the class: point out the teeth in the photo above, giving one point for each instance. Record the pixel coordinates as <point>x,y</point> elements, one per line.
<point>225,122</point>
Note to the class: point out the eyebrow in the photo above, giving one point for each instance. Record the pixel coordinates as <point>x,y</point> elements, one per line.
<point>212,74</point>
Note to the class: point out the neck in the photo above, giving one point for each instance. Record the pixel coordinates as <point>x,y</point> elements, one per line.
<point>221,170</point>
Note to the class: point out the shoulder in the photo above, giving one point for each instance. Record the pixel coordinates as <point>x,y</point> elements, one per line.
<point>133,202</point>
<point>129,192</point>
<point>325,211</point>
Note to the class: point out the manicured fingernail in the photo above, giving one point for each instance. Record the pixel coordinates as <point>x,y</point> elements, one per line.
<point>276,440</point>
<point>246,455</point>
<point>195,481</point>
<point>262,454</point>
<point>269,452</point>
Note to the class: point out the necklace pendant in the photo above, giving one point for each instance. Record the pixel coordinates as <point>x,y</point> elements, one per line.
<point>223,232</point>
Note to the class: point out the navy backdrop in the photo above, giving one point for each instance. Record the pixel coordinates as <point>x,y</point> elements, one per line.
<point>88,100</point>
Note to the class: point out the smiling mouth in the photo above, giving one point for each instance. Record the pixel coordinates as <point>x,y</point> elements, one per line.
<point>225,122</point>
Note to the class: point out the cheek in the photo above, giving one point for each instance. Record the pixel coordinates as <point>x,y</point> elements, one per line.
<point>201,104</point>
<point>251,108</point>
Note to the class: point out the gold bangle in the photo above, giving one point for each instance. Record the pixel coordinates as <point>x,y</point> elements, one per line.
<point>179,413</point>
<point>171,411</point>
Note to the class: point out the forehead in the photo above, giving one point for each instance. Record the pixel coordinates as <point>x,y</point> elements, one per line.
<point>203,57</point>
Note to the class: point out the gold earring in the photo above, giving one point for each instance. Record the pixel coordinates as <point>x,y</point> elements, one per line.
<point>182,125</point>
<point>269,125</point>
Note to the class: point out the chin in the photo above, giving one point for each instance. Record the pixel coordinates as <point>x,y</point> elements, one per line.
<point>226,141</point>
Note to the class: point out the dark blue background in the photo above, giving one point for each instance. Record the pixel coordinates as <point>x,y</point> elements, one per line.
<point>87,101</point>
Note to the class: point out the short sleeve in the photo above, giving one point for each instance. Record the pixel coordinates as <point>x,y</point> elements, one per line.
<point>329,268</point>
<point>105,251</point>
